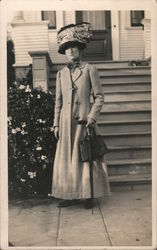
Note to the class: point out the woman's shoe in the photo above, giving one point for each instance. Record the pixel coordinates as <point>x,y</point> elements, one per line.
<point>68,203</point>
<point>89,203</point>
<point>64,203</point>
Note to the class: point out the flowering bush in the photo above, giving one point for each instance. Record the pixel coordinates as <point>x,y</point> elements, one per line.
<point>31,143</point>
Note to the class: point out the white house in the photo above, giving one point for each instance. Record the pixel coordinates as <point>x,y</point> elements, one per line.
<point>118,37</point>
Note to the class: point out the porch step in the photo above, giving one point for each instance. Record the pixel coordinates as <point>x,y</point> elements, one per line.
<point>128,115</point>
<point>130,167</point>
<point>125,67</point>
<point>129,173</point>
<point>126,86</point>
<point>123,73</point>
<point>119,107</point>
<point>126,111</point>
<point>126,152</point>
<point>125,91</point>
<point>127,138</point>
<point>128,133</point>
<point>123,79</point>
<point>110,63</point>
<point>134,179</point>
<point>101,123</point>
<point>115,64</point>
<point>124,126</point>
<point>128,162</point>
<point>125,96</point>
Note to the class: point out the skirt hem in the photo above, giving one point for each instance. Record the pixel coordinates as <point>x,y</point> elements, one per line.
<point>71,196</point>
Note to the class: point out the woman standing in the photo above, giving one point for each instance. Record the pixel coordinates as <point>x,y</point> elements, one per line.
<point>74,83</point>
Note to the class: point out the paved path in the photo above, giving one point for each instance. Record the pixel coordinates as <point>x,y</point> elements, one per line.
<point>124,219</point>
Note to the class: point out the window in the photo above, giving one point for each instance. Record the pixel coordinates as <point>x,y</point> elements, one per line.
<point>136,18</point>
<point>51,17</point>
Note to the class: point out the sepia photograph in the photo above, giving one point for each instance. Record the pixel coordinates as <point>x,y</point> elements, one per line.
<point>79,128</point>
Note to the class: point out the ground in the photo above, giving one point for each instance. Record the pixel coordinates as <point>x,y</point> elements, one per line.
<point>123,219</point>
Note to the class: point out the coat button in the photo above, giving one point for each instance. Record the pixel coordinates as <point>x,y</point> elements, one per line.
<point>77,102</point>
<point>73,88</point>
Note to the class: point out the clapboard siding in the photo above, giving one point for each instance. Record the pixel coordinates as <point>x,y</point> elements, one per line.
<point>32,16</point>
<point>53,48</point>
<point>147,26</point>
<point>29,37</point>
<point>131,39</point>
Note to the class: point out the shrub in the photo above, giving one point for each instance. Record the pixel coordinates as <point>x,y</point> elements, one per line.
<point>31,143</point>
<point>10,62</point>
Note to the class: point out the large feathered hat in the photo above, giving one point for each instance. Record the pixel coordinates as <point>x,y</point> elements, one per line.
<point>73,34</point>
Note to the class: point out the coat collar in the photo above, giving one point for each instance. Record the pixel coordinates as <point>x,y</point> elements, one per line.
<point>77,72</point>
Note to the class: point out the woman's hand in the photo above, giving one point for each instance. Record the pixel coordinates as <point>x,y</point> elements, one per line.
<point>90,123</point>
<point>56,132</point>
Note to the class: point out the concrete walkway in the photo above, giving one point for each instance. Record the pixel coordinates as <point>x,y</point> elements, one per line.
<point>124,219</point>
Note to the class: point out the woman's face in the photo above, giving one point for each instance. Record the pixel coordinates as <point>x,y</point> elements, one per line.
<point>72,53</point>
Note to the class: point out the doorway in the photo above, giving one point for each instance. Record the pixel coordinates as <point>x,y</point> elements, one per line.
<point>100,46</point>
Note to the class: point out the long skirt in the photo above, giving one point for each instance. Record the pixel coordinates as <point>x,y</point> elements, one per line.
<point>71,179</point>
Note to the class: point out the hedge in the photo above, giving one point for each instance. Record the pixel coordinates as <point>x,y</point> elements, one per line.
<point>31,142</point>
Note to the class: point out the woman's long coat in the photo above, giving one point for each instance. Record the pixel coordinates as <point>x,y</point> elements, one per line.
<point>70,176</point>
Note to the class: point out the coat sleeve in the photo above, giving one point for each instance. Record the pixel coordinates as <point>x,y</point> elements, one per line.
<point>58,100</point>
<point>97,91</point>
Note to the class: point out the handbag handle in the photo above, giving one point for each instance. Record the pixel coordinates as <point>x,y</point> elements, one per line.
<point>89,131</point>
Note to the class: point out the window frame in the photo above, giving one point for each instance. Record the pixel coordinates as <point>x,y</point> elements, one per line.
<point>136,24</point>
<point>54,27</point>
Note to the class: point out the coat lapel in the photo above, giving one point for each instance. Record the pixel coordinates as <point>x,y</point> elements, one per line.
<point>77,72</point>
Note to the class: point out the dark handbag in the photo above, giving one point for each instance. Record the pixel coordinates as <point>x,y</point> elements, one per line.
<point>95,143</point>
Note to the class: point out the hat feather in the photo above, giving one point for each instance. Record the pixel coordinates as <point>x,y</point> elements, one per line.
<point>79,33</point>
